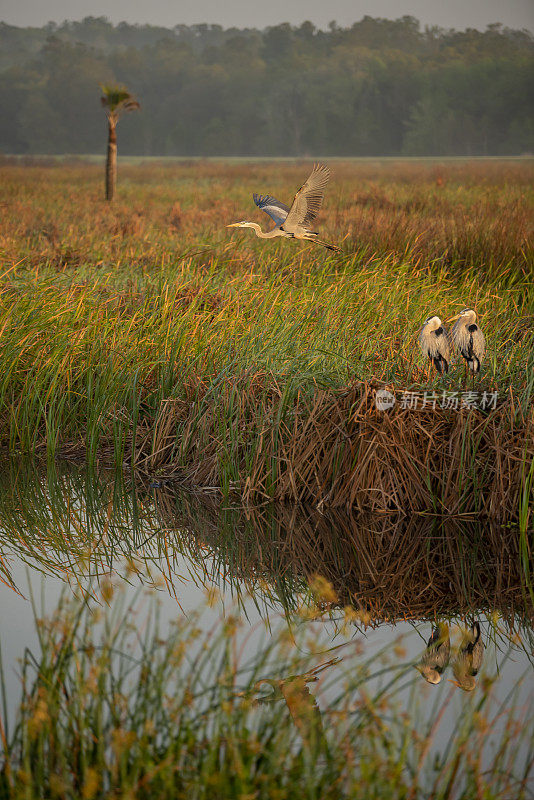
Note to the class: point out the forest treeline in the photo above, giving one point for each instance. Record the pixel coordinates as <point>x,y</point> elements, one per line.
<point>380,87</point>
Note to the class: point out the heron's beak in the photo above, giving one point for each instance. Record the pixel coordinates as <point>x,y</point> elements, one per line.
<point>454,682</point>
<point>234,225</point>
<point>452,318</point>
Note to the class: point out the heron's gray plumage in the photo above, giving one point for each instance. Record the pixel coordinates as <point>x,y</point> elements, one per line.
<point>469,658</point>
<point>273,207</point>
<point>434,341</point>
<point>469,339</point>
<point>293,222</point>
<point>435,659</point>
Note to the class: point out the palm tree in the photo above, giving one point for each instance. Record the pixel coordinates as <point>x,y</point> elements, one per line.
<point>116,100</point>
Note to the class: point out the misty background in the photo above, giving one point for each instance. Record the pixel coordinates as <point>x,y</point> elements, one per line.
<point>459,14</point>
<point>374,87</point>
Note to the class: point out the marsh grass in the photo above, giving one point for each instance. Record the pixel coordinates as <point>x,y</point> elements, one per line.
<point>113,705</point>
<point>143,331</point>
<point>467,214</point>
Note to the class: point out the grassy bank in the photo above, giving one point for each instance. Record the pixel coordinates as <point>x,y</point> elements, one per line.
<point>114,706</point>
<point>144,331</point>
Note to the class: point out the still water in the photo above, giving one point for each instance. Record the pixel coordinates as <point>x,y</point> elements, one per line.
<point>378,584</point>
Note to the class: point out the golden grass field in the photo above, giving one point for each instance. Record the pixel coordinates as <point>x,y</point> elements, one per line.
<point>148,330</point>
<point>474,213</point>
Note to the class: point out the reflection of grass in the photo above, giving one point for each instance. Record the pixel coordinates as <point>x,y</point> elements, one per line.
<point>146,329</point>
<point>112,707</point>
<point>387,568</point>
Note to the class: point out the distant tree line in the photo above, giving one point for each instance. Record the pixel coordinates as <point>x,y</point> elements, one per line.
<point>380,87</point>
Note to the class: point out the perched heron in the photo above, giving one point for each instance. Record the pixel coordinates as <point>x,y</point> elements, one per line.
<point>435,659</point>
<point>294,222</point>
<point>434,340</point>
<point>468,338</point>
<point>469,659</point>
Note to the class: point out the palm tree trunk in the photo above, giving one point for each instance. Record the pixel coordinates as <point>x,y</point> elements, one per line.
<point>111,162</point>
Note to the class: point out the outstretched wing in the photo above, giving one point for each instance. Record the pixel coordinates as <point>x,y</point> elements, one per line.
<point>273,207</point>
<point>307,201</point>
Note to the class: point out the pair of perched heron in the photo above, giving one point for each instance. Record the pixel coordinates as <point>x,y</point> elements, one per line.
<point>466,664</point>
<point>438,343</point>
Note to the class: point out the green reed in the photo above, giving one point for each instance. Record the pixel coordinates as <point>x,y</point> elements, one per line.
<point>71,355</point>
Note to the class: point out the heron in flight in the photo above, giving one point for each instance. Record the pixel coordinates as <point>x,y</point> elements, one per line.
<point>435,659</point>
<point>293,222</point>
<point>469,659</point>
<point>469,339</point>
<point>434,340</point>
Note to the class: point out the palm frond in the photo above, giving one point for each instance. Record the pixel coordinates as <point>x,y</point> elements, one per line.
<point>117,100</point>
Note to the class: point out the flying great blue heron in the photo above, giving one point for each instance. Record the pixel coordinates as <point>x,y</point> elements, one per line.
<point>468,338</point>
<point>468,659</point>
<point>434,340</point>
<point>436,656</point>
<point>294,222</point>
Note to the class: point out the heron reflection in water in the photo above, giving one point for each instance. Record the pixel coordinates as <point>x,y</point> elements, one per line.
<point>435,659</point>
<point>469,658</point>
<point>301,703</point>
<point>466,663</point>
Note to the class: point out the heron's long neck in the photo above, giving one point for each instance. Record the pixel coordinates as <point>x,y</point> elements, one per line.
<point>258,231</point>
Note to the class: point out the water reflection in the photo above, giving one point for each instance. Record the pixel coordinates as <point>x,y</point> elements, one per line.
<point>453,591</point>
<point>435,659</point>
<point>388,567</point>
<point>374,569</point>
<point>469,658</point>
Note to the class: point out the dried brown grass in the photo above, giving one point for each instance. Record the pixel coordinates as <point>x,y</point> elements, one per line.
<point>336,449</point>
<point>451,213</point>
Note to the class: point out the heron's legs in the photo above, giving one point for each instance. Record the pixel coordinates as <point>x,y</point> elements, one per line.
<point>466,370</point>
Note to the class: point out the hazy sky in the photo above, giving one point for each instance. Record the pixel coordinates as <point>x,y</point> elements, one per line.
<point>261,13</point>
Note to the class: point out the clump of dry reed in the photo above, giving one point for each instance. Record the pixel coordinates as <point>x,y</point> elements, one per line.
<point>336,449</point>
